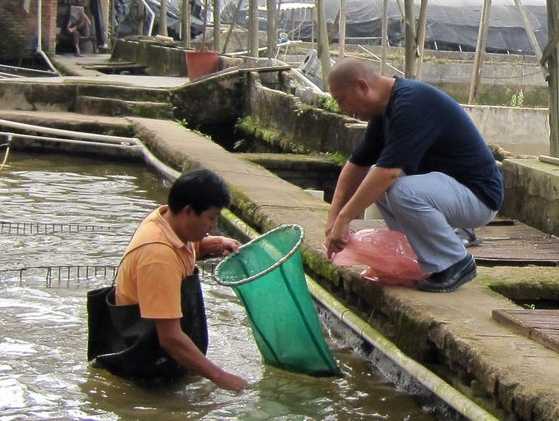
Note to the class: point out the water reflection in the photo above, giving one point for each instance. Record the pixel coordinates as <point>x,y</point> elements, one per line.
<point>43,370</point>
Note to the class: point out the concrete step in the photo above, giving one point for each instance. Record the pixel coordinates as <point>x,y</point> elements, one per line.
<point>126,93</point>
<point>92,105</point>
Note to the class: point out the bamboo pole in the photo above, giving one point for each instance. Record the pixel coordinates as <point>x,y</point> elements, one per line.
<point>323,45</point>
<point>553,66</point>
<point>480,51</point>
<point>531,35</point>
<point>217,24</point>
<point>272,36</point>
<point>186,23</point>
<point>341,30</point>
<point>163,18</point>
<point>421,32</point>
<point>411,41</point>
<point>253,28</point>
<point>384,35</point>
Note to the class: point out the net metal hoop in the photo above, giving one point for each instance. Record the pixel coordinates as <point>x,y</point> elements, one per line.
<point>268,269</point>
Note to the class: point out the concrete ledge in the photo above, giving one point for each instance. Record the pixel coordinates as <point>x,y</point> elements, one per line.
<point>532,193</point>
<point>118,107</point>
<point>70,121</point>
<point>159,60</point>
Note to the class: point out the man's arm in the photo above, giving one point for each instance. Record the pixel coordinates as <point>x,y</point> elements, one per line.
<point>371,189</point>
<point>181,348</point>
<point>217,246</point>
<point>348,182</point>
<point>86,18</point>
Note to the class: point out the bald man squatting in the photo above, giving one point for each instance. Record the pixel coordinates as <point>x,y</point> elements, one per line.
<point>422,162</point>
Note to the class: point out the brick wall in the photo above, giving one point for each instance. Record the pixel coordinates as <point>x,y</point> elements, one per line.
<point>50,10</point>
<point>19,28</point>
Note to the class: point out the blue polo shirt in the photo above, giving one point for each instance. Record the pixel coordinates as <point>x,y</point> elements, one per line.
<point>424,130</point>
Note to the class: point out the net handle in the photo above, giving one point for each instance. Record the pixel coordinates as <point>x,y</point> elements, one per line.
<point>268,269</point>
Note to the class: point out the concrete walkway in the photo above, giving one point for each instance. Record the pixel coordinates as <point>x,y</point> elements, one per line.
<point>453,330</point>
<point>78,66</point>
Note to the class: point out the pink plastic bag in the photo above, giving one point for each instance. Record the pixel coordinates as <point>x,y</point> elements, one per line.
<point>388,255</point>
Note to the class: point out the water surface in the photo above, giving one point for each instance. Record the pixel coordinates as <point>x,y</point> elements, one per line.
<point>43,331</point>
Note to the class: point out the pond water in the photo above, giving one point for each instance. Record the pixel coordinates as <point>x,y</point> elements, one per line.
<point>43,331</point>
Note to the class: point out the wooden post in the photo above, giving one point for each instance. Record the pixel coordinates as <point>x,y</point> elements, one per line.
<point>480,50</point>
<point>272,37</point>
<point>141,18</point>
<point>205,25</point>
<point>323,45</point>
<point>253,28</point>
<point>186,23</point>
<point>341,30</point>
<point>217,25</point>
<point>421,31</point>
<point>553,80</point>
<point>112,29</point>
<point>384,35</point>
<point>411,42</point>
<point>314,33</point>
<point>230,31</point>
<point>530,32</point>
<point>402,9</point>
<point>163,18</point>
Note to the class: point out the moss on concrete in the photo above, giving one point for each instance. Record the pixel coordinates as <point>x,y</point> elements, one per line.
<point>249,126</point>
<point>522,283</point>
<point>532,193</point>
<point>219,99</point>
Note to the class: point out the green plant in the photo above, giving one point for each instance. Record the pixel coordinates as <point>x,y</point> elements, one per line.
<point>182,122</point>
<point>337,157</point>
<point>517,99</point>
<point>529,306</point>
<point>328,103</point>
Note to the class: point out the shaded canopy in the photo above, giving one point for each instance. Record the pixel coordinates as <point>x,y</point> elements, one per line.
<point>451,24</point>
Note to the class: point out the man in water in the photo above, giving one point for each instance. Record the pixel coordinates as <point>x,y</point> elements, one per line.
<point>422,162</point>
<point>153,323</point>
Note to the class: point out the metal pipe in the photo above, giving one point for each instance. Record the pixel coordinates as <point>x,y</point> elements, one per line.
<point>57,139</point>
<point>40,36</point>
<point>68,133</point>
<point>89,143</point>
<point>26,69</point>
<point>152,14</point>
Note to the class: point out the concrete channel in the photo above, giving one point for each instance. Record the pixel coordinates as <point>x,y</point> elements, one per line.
<point>405,373</point>
<point>506,374</point>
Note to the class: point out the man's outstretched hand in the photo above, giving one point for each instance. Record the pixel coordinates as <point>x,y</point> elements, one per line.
<point>336,237</point>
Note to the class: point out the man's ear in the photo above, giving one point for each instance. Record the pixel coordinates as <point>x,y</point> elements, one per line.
<point>362,86</point>
<point>188,210</point>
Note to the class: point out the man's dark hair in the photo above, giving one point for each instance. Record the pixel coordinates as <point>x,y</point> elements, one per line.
<point>199,189</point>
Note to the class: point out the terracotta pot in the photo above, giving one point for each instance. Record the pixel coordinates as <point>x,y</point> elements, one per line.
<point>201,63</point>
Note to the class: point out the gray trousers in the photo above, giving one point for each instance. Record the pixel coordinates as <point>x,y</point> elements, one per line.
<point>427,208</point>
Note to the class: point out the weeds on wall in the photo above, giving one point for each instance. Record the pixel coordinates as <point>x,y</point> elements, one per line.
<point>517,99</point>
<point>328,103</point>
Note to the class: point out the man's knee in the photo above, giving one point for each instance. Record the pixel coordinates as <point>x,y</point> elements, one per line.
<point>403,192</point>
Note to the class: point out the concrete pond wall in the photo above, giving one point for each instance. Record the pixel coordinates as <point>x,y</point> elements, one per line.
<point>516,129</point>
